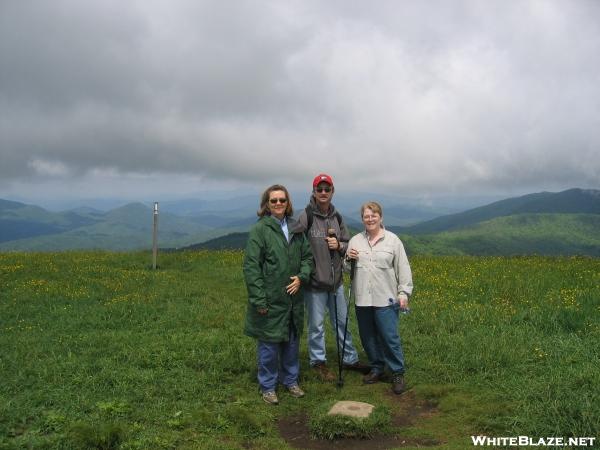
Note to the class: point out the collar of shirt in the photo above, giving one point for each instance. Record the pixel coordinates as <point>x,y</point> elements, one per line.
<point>284,227</point>
<point>378,240</point>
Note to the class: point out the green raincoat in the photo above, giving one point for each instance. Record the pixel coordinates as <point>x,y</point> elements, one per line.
<point>269,263</point>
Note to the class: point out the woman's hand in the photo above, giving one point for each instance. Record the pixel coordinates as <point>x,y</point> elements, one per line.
<point>293,287</point>
<point>352,254</point>
<point>403,300</point>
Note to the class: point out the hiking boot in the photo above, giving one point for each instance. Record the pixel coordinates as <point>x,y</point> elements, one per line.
<point>270,398</point>
<point>324,373</point>
<point>295,391</point>
<point>398,383</point>
<point>358,366</point>
<point>371,378</point>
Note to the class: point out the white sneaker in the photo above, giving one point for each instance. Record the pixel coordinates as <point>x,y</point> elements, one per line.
<point>270,398</point>
<point>295,391</point>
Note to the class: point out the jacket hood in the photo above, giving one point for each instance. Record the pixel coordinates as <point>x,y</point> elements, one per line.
<point>313,204</point>
<point>294,226</point>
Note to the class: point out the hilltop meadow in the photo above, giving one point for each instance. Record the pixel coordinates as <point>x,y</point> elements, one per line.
<point>101,352</point>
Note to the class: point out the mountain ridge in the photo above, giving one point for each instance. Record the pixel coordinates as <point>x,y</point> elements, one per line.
<point>503,227</point>
<point>576,200</point>
<point>520,234</point>
<point>127,227</point>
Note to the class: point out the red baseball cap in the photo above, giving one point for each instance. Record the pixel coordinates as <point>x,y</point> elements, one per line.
<point>322,178</point>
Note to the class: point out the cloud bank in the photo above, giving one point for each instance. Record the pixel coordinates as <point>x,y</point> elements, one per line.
<point>413,97</point>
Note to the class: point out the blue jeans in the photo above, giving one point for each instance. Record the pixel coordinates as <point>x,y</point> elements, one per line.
<point>317,304</point>
<point>378,328</point>
<point>278,361</point>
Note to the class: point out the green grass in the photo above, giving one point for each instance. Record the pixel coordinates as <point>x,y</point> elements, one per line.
<point>325,426</point>
<point>99,351</point>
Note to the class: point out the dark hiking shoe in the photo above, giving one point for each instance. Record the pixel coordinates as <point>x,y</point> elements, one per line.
<point>398,383</point>
<point>371,378</point>
<point>358,366</point>
<point>323,372</point>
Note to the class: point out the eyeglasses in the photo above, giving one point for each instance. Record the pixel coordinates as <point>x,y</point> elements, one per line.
<point>280,200</point>
<point>370,217</point>
<point>323,189</point>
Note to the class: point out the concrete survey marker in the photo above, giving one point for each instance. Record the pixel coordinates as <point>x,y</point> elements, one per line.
<point>351,409</point>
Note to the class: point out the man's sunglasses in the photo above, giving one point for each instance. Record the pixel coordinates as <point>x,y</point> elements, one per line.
<point>280,200</point>
<point>323,189</point>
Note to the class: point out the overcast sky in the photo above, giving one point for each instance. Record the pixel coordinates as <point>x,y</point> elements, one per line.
<point>165,98</point>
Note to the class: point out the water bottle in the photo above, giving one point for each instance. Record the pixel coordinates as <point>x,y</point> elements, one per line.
<point>402,310</point>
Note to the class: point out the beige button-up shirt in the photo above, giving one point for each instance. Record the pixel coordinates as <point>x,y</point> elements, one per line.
<point>382,270</point>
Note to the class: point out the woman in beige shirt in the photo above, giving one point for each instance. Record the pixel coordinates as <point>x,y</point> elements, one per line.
<point>381,285</point>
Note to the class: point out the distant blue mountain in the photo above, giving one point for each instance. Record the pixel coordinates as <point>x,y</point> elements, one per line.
<point>545,223</point>
<point>19,220</point>
<point>29,227</point>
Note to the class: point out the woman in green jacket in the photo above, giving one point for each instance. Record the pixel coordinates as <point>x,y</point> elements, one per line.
<point>278,261</point>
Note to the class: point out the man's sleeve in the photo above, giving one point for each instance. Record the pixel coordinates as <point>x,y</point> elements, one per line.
<point>344,238</point>
<point>302,222</point>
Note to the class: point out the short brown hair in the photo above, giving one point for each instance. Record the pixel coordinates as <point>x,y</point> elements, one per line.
<point>373,206</point>
<point>264,201</point>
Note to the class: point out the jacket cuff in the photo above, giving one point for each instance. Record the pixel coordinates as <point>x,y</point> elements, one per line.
<point>259,304</point>
<point>303,278</point>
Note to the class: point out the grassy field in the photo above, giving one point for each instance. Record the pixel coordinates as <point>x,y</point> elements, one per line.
<point>99,351</point>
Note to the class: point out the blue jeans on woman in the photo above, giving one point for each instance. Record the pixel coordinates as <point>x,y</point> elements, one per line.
<point>278,362</point>
<point>317,304</point>
<point>378,328</point>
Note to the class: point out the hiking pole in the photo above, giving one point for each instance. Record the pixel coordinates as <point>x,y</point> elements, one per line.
<point>340,382</point>
<point>352,268</point>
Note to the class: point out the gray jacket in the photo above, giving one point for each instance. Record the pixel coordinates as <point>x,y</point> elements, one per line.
<point>321,276</point>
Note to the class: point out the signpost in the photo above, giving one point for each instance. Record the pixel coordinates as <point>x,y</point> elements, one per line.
<point>155,236</point>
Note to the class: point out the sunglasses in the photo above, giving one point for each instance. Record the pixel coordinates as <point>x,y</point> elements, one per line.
<point>323,189</point>
<point>280,200</point>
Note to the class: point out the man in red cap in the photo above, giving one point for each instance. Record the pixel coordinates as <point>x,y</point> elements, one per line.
<point>328,238</point>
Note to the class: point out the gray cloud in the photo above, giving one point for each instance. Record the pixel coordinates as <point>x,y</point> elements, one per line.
<point>432,96</point>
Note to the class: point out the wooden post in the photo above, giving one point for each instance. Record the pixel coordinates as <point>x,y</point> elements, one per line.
<point>155,236</point>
